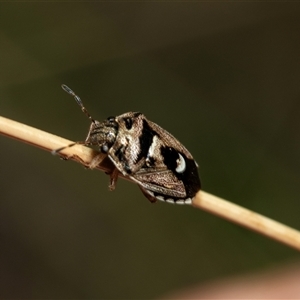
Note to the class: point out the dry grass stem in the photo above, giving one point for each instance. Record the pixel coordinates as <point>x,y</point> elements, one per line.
<point>202,200</point>
<point>248,219</point>
<point>49,142</point>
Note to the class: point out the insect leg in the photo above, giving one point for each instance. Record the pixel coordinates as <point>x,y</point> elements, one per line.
<point>147,195</point>
<point>96,160</point>
<point>113,179</point>
<point>56,151</point>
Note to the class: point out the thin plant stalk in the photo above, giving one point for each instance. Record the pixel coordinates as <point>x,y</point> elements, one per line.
<point>202,200</point>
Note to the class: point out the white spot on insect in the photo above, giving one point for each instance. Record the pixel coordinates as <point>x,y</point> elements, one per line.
<point>188,201</point>
<point>150,193</point>
<point>170,201</point>
<point>180,202</point>
<point>181,165</point>
<point>153,147</point>
<point>161,198</point>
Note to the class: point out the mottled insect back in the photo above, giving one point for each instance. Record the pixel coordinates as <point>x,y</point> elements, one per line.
<point>146,153</point>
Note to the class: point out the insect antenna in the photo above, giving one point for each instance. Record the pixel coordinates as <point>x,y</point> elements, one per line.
<point>78,101</point>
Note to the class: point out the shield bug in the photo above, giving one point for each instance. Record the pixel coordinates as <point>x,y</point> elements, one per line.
<point>145,153</point>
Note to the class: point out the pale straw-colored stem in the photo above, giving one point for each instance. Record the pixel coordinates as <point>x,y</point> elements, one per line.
<point>247,218</point>
<point>202,200</point>
<point>49,142</point>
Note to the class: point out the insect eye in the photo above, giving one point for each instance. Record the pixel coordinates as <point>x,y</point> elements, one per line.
<point>104,148</point>
<point>128,123</point>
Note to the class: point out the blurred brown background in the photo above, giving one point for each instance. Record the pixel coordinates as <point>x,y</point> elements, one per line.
<point>222,77</point>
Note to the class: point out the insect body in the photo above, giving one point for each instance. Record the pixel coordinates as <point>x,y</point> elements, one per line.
<point>146,153</point>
